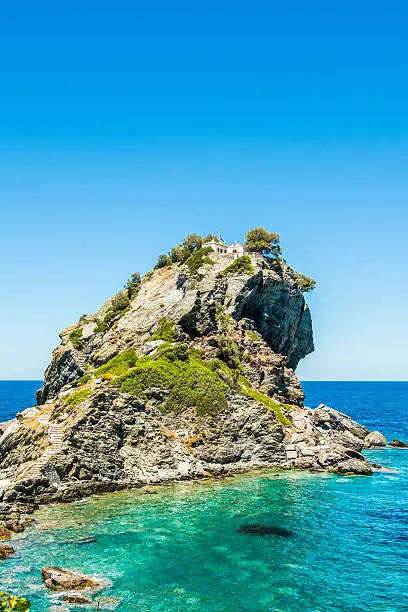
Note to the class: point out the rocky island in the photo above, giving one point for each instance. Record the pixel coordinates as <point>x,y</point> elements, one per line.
<point>187,373</point>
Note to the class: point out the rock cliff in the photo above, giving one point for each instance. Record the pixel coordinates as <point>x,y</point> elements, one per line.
<point>190,375</point>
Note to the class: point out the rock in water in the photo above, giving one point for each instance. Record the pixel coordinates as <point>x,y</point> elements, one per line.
<point>355,466</point>
<point>374,438</point>
<point>6,551</point>
<point>59,579</point>
<point>79,600</point>
<point>237,330</point>
<point>398,444</point>
<point>265,530</point>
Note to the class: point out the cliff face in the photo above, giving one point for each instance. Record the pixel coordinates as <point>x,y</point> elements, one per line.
<point>194,377</point>
<point>269,298</point>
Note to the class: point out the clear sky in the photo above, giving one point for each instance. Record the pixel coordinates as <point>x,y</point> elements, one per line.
<point>126,125</point>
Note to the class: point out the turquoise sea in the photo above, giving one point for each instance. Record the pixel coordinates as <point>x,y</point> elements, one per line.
<point>178,548</point>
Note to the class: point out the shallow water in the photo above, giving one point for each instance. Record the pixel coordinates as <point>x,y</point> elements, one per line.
<point>179,548</point>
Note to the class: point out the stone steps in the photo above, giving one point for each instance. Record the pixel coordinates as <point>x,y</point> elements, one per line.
<point>55,436</point>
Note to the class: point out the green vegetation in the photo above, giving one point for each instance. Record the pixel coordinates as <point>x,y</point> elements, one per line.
<point>210,237</point>
<point>191,244</point>
<point>191,382</point>
<point>12,602</point>
<point>199,258</point>
<point>119,365</point>
<point>259,240</point>
<point>163,260</point>
<point>190,379</point>
<point>253,335</point>
<point>305,283</point>
<point>165,331</point>
<point>82,380</point>
<point>241,265</point>
<point>76,337</point>
<point>267,401</point>
<point>228,351</point>
<point>133,285</point>
<point>78,397</point>
<point>119,306</point>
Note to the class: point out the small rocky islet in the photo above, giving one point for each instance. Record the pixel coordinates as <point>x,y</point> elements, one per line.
<point>187,373</point>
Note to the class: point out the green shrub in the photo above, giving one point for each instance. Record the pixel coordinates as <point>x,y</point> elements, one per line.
<point>12,602</point>
<point>133,285</point>
<point>163,260</point>
<point>172,352</point>
<point>276,407</point>
<point>119,365</point>
<point>253,335</point>
<point>82,380</point>
<point>76,337</point>
<point>228,351</point>
<point>165,331</point>
<point>78,397</point>
<point>120,305</point>
<point>305,283</point>
<point>199,258</point>
<point>241,265</point>
<point>191,383</point>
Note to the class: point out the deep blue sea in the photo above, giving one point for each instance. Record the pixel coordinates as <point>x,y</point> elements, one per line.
<point>178,548</point>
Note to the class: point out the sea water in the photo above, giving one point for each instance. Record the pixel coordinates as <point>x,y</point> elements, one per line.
<point>179,548</point>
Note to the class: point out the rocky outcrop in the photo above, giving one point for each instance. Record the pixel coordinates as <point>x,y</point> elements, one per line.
<point>6,551</point>
<point>58,579</point>
<point>270,298</point>
<point>398,444</point>
<point>111,415</point>
<point>374,439</point>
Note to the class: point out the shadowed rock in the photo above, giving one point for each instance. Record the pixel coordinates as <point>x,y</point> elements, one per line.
<point>265,530</point>
<point>398,444</point>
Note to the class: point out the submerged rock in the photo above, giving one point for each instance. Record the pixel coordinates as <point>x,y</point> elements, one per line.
<point>74,598</point>
<point>398,444</point>
<point>59,579</point>
<point>265,530</point>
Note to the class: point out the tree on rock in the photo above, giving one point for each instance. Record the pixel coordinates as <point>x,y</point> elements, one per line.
<point>163,260</point>
<point>133,285</point>
<point>192,243</point>
<point>259,240</point>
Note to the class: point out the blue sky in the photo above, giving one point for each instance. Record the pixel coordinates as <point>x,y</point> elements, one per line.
<point>125,126</point>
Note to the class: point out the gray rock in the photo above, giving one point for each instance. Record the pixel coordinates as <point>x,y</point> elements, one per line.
<point>373,439</point>
<point>58,579</point>
<point>355,466</point>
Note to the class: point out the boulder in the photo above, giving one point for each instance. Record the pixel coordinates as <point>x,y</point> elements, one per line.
<point>355,466</point>
<point>59,579</point>
<point>374,438</point>
<point>15,525</point>
<point>398,444</point>
<point>6,551</point>
<point>4,533</point>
